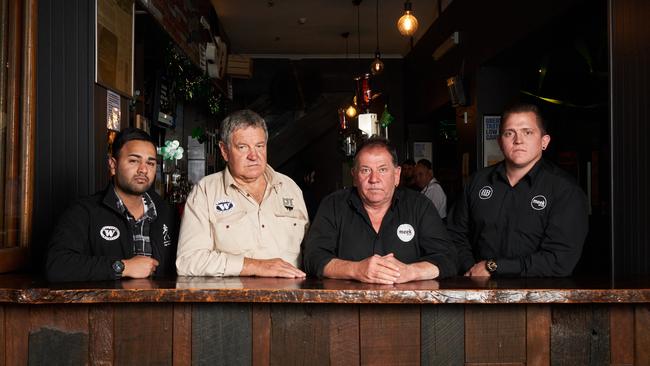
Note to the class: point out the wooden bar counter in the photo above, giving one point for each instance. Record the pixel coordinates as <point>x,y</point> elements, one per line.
<point>244,321</point>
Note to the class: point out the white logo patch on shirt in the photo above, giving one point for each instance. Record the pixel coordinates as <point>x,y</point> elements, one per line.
<point>224,206</point>
<point>485,193</point>
<point>167,240</point>
<point>538,202</point>
<point>109,232</point>
<point>405,232</point>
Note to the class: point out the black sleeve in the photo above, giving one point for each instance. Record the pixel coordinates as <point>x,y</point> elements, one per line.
<point>564,237</point>
<point>322,239</point>
<point>459,230</point>
<point>168,262</point>
<point>69,256</point>
<point>435,244</point>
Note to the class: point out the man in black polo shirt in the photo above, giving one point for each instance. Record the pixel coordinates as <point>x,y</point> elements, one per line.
<point>523,216</point>
<point>376,233</point>
<point>125,230</point>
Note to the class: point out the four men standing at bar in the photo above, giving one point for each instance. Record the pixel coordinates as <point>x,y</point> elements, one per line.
<point>522,217</point>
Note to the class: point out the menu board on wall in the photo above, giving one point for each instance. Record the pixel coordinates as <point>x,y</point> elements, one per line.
<point>114,53</point>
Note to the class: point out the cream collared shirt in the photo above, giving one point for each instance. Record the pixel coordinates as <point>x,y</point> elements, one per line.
<point>222,224</point>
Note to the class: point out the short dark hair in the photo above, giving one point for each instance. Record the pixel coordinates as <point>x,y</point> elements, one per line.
<point>129,134</point>
<point>377,141</point>
<point>524,108</point>
<point>408,161</point>
<point>425,163</point>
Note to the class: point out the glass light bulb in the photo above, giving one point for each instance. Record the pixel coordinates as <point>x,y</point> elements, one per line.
<point>407,24</point>
<point>351,112</point>
<point>377,66</point>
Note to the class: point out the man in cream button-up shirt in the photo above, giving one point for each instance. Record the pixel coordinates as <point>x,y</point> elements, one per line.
<point>246,220</point>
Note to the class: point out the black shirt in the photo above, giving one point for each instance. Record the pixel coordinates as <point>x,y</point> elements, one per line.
<point>93,233</point>
<point>411,230</point>
<point>536,228</point>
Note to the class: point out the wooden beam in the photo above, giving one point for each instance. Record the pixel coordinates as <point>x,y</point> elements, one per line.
<point>28,125</point>
<point>4,39</point>
<point>13,124</point>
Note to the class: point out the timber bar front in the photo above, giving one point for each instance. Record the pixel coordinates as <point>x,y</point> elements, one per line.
<point>241,321</point>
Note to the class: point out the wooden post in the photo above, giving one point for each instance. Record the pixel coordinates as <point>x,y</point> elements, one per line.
<point>28,126</point>
<point>13,118</point>
<point>4,9</point>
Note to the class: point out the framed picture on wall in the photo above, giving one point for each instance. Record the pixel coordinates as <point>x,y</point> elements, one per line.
<point>114,45</point>
<point>491,151</point>
<point>422,150</point>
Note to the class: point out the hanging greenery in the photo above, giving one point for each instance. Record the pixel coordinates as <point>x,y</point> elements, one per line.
<point>192,85</point>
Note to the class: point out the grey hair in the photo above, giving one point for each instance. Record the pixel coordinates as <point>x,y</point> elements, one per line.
<point>241,119</point>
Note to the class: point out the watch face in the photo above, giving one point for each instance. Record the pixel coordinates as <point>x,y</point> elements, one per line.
<point>118,266</point>
<point>491,265</point>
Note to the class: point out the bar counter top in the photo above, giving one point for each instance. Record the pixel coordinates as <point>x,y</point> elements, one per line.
<point>28,289</point>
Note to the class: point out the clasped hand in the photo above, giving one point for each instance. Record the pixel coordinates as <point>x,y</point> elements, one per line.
<point>385,269</point>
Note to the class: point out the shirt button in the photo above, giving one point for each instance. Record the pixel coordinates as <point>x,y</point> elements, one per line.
<point>294,224</point>
<point>262,225</point>
<point>227,226</point>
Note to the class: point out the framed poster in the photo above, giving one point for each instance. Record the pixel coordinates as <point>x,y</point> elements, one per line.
<point>422,150</point>
<point>114,45</point>
<point>491,152</point>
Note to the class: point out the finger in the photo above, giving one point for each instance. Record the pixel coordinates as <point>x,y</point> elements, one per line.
<point>395,262</point>
<point>387,275</point>
<point>289,267</point>
<point>390,264</point>
<point>155,262</point>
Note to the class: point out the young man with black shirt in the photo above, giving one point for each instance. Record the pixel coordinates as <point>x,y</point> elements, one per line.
<point>523,216</point>
<point>125,230</point>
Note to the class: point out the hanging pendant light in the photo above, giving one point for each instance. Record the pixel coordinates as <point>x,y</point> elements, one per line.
<point>377,65</point>
<point>407,23</point>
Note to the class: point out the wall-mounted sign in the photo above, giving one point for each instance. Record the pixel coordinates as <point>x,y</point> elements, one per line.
<point>491,152</point>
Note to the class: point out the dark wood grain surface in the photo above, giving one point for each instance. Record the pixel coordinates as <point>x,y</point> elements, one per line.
<point>29,290</point>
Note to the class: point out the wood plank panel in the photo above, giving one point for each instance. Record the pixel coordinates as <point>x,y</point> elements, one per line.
<point>300,334</point>
<point>641,335</point>
<point>538,335</point>
<point>389,334</point>
<point>182,347</point>
<point>221,334</point>
<point>261,334</point>
<point>621,325</point>
<point>100,329</point>
<point>344,334</point>
<point>58,334</point>
<point>48,346</point>
<point>143,334</point>
<point>495,334</point>
<point>16,334</point>
<point>442,335</point>
<point>580,335</point>
<point>2,336</point>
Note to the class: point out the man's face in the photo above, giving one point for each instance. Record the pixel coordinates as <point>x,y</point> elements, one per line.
<point>246,153</point>
<point>522,141</point>
<point>422,175</point>
<point>375,176</point>
<point>135,167</point>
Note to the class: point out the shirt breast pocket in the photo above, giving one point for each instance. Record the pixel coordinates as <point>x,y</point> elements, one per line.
<point>291,230</point>
<point>234,234</point>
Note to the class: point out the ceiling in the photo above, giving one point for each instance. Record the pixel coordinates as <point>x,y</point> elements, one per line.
<point>271,28</point>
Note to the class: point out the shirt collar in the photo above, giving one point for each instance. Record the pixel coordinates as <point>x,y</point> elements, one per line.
<point>272,180</point>
<point>530,177</point>
<point>149,207</point>
<point>355,199</point>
